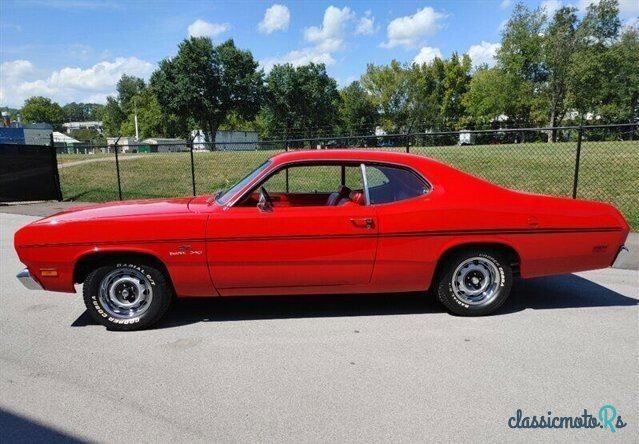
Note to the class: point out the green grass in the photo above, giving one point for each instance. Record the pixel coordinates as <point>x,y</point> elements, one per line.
<point>609,171</point>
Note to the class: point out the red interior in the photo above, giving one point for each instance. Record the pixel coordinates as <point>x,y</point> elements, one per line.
<point>304,199</point>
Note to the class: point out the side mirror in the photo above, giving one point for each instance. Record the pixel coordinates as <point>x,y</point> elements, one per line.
<point>264,205</point>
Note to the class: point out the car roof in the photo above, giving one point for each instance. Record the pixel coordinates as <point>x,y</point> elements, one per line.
<point>350,155</point>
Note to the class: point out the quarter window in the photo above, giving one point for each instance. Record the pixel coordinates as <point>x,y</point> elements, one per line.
<point>392,184</point>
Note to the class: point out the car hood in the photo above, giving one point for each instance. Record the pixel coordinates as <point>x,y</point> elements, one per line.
<point>129,208</point>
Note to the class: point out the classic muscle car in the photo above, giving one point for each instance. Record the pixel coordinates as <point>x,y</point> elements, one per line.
<point>319,222</point>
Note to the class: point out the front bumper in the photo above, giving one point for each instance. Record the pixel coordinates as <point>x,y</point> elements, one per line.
<point>622,256</point>
<point>28,281</point>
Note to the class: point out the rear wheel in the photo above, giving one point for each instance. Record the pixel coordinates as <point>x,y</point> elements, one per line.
<point>127,296</point>
<point>474,282</point>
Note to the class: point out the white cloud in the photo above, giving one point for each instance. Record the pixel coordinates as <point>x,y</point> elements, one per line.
<point>408,30</point>
<point>426,55</point>
<point>330,35</point>
<point>15,68</point>
<point>276,18</point>
<point>484,53</point>
<point>70,83</point>
<point>323,41</point>
<point>627,8</point>
<point>551,6</point>
<point>298,57</point>
<point>505,4</point>
<point>200,28</point>
<point>366,25</point>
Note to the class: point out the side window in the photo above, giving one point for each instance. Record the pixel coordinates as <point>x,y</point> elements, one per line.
<point>392,184</point>
<point>330,185</point>
<point>320,179</point>
<point>313,179</point>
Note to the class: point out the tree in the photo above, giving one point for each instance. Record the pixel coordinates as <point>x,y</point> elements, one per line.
<point>420,97</point>
<point>559,46</point>
<point>388,86</point>
<point>88,135</point>
<point>82,112</point>
<point>521,57</point>
<point>493,93</point>
<point>303,99</point>
<point>451,79</point>
<point>603,73</point>
<point>601,24</point>
<point>358,112</point>
<point>128,87</point>
<point>42,110</point>
<point>151,122</point>
<point>112,117</point>
<point>207,82</point>
<point>626,55</point>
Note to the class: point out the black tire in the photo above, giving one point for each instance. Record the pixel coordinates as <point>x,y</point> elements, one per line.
<point>469,266</point>
<point>108,310</point>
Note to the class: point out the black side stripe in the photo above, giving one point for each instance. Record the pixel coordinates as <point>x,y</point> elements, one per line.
<point>512,231</point>
<point>432,233</point>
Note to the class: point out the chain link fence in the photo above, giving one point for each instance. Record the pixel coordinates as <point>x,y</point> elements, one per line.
<point>591,162</point>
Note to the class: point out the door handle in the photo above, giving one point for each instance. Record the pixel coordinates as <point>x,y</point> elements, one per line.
<point>364,222</point>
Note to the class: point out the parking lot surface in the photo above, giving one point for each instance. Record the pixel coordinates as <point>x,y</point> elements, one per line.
<point>376,368</point>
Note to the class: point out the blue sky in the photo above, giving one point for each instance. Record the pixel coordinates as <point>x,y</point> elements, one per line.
<point>77,49</point>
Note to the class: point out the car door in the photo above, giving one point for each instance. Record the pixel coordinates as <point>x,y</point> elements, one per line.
<point>293,246</point>
<point>401,197</point>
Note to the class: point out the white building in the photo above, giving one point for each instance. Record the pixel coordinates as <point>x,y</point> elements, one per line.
<point>166,145</point>
<point>126,144</point>
<point>466,138</point>
<point>63,139</point>
<point>236,140</point>
<point>71,126</point>
<point>226,140</point>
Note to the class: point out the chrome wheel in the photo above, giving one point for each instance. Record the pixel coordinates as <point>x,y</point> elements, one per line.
<point>125,293</point>
<point>476,281</point>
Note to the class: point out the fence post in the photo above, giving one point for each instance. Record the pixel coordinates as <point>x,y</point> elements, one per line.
<point>408,142</point>
<point>56,174</point>
<point>117,168</point>
<point>577,162</point>
<point>192,166</point>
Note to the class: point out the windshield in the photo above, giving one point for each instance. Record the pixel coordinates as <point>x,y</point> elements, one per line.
<point>225,196</point>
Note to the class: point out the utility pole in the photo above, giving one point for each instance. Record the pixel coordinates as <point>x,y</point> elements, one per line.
<point>135,118</point>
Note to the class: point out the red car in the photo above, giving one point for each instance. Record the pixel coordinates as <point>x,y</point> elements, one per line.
<point>319,222</point>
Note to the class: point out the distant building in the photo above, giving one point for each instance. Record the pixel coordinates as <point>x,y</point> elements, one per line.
<point>125,144</point>
<point>69,145</point>
<point>226,140</point>
<point>466,138</point>
<point>165,145</point>
<point>29,134</point>
<point>63,139</point>
<point>236,140</point>
<point>72,126</point>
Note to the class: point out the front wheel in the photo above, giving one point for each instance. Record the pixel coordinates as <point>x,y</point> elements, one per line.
<point>475,282</point>
<point>127,296</point>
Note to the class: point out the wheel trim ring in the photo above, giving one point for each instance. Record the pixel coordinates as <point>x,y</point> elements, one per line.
<point>488,290</point>
<point>117,308</point>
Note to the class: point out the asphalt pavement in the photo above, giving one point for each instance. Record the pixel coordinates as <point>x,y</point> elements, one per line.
<point>370,368</point>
